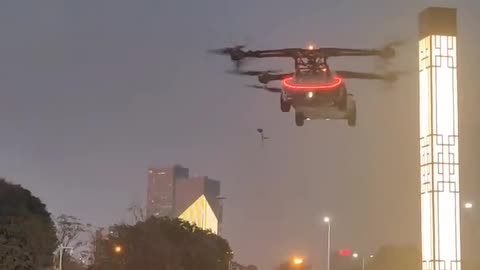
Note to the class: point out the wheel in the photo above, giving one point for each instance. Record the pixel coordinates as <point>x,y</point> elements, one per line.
<point>284,105</point>
<point>299,119</point>
<point>342,104</point>
<point>352,114</point>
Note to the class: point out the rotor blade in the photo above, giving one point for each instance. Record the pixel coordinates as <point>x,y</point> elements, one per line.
<point>226,50</point>
<point>266,88</point>
<point>252,72</point>
<point>267,77</point>
<point>396,43</point>
<point>390,77</point>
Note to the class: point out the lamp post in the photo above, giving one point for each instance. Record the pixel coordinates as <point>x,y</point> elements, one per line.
<point>328,222</point>
<point>62,248</point>
<point>355,255</point>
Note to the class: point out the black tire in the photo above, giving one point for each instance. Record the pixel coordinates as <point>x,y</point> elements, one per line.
<point>342,104</point>
<point>284,105</point>
<point>299,119</point>
<point>352,115</point>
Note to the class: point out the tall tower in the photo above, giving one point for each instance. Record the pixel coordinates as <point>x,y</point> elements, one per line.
<point>439,158</point>
<point>161,189</point>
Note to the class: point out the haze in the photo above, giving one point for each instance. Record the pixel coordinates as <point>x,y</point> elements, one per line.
<point>94,92</point>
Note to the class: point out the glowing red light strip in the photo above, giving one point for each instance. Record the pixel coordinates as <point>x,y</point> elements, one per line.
<point>337,81</point>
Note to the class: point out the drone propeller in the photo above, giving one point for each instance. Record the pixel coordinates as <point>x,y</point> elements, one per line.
<point>388,77</point>
<point>388,51</point>
<point>252,72</point>
<point>236,54</point>
<point>226,50</point>
<point>266,88</point>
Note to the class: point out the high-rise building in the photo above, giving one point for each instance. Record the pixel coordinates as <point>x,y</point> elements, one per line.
<point>171,192</point>
<point>161,189</point>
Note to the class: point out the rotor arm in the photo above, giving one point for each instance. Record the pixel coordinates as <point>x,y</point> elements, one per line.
<point>390,77</point>
<point>268,77</point>
<point>387,52</point>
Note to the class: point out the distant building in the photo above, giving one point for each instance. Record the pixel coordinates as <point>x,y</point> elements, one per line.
<point>171,192</point>
<point>161,189</point>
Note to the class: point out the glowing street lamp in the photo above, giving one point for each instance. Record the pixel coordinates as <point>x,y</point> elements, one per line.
<point>118,249</point>
<point>297,261</point>
<point>468,205</point>
<point>355,256</point>
<point>328,222</point>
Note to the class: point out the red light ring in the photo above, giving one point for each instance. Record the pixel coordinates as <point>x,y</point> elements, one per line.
<point>287,83</point>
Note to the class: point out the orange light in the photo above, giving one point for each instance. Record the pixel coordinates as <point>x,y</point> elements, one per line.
<point>288,83</point>
<point>297,260</point>
<point>118,249</point>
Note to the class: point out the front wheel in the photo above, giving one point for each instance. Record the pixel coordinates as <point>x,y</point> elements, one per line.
<point>299,119</point>
<point>284,105</point>
<point>352,115</point>
<point>343,102</point>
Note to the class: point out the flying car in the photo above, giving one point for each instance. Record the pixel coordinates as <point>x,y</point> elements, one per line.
<point>313,90</point>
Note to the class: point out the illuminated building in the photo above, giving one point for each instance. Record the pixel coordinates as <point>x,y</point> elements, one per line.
<point>201,214</point>
<point>173,193</point>
<point>439,157</point>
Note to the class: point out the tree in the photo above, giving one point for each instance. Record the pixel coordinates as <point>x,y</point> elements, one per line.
<point>162,244</point>
<point>397,258</point>
<point>137,212</point>
<point>27,232</point>
<point>70,230</point>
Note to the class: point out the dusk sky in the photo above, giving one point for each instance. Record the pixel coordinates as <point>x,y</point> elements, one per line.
<point>93,92</point>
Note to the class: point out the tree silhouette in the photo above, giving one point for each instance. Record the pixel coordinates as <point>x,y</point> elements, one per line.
<point>27,233</point>
<point>162,244</point>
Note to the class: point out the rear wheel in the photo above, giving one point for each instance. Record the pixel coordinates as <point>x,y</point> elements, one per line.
<point>284,105</point>
<point>342,103</point>
<point>299,119</point>
<point>352,114</point>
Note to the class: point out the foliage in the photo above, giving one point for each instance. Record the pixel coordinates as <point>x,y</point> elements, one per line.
<point>71,263</point>
<point>137,212</point>
<point>162,244</point>
<point>27,233</point>
<point>69,230</point>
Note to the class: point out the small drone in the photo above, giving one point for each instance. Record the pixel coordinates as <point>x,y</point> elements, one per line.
<point>313,90</point>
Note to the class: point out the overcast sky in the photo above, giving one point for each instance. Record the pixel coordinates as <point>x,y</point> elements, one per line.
<point>93,92</point>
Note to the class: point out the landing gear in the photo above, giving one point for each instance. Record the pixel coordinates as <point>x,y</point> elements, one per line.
<point>299,119</point>
<point>352,112</point>
<point>284,105</point>
<point>343,102</point>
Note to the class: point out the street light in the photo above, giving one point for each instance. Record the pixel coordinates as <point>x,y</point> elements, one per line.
<point>62,248</point>
<point>355,255</point>
<point>118,249</point>
<point>328,221</point>
<point>297,261</point>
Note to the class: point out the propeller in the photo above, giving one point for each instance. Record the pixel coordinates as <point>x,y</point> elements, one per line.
<point>236,54</point>
<point>252,72</point>
<point>226,50</point>
<point>388,76</point>
<point>266,88</point>
<point>388,50</point>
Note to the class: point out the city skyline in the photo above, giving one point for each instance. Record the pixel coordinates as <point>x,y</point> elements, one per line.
<point>173,192</point>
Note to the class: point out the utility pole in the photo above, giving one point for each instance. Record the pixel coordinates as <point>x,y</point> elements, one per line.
<point>62,248</point>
